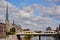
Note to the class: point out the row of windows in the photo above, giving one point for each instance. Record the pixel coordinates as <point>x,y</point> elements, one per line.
<point>2,30</point>
<point>2,27</point>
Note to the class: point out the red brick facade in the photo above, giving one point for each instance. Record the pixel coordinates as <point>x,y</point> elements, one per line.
<point>2,29</point>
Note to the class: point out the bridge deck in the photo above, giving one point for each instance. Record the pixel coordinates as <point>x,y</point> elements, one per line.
<point>36,33</point>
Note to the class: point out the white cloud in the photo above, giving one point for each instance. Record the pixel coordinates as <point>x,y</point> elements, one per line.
<point>43,19</point>
<point>26,16</point>
<point>52,0</point>
<point>53,12</point>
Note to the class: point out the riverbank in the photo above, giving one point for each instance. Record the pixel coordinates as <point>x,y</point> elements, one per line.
<point>10,37</point>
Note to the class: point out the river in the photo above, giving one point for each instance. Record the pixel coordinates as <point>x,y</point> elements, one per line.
<point>44,38</point>
<point>33,38</point>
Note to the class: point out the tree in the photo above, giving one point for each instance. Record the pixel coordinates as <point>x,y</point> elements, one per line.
<point>12,30</point>
<point>28,37</point>
<point>38,31</point>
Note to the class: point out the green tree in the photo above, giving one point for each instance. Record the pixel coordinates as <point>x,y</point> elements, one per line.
<point>12,30</point>
<point>28,37</point>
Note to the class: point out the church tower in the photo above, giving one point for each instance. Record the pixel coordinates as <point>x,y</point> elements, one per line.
<point>6,19</point>
<point>13,22</point>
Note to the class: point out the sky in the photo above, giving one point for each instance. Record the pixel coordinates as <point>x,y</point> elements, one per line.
<point>32,14</point>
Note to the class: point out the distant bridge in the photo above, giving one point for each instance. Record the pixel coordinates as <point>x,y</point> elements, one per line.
<point>37,34</point>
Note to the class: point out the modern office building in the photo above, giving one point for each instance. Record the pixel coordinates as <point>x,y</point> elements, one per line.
<point>59,27</point>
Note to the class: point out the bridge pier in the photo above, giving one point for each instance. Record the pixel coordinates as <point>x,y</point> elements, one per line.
<point>18,37</point>
<point>39,37</point>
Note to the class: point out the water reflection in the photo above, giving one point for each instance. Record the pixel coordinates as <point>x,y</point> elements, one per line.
<point>45,38</point>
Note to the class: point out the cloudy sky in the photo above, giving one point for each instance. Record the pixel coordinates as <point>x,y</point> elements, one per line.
<point>32,14</point>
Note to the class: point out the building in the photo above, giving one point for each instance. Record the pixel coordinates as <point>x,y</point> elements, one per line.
<point>48,28</point>
<point>59,27</point>
<point>11,25</point>
<point>50,31</point>
<point>2,30</point>
<point>5,27</point>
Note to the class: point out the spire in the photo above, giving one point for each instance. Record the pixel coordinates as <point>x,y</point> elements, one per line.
<point>13,22</point>
<point>6,19</point>
<point>7,12</point>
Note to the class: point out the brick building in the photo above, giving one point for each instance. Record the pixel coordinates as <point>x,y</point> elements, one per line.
<point>2,30</point>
